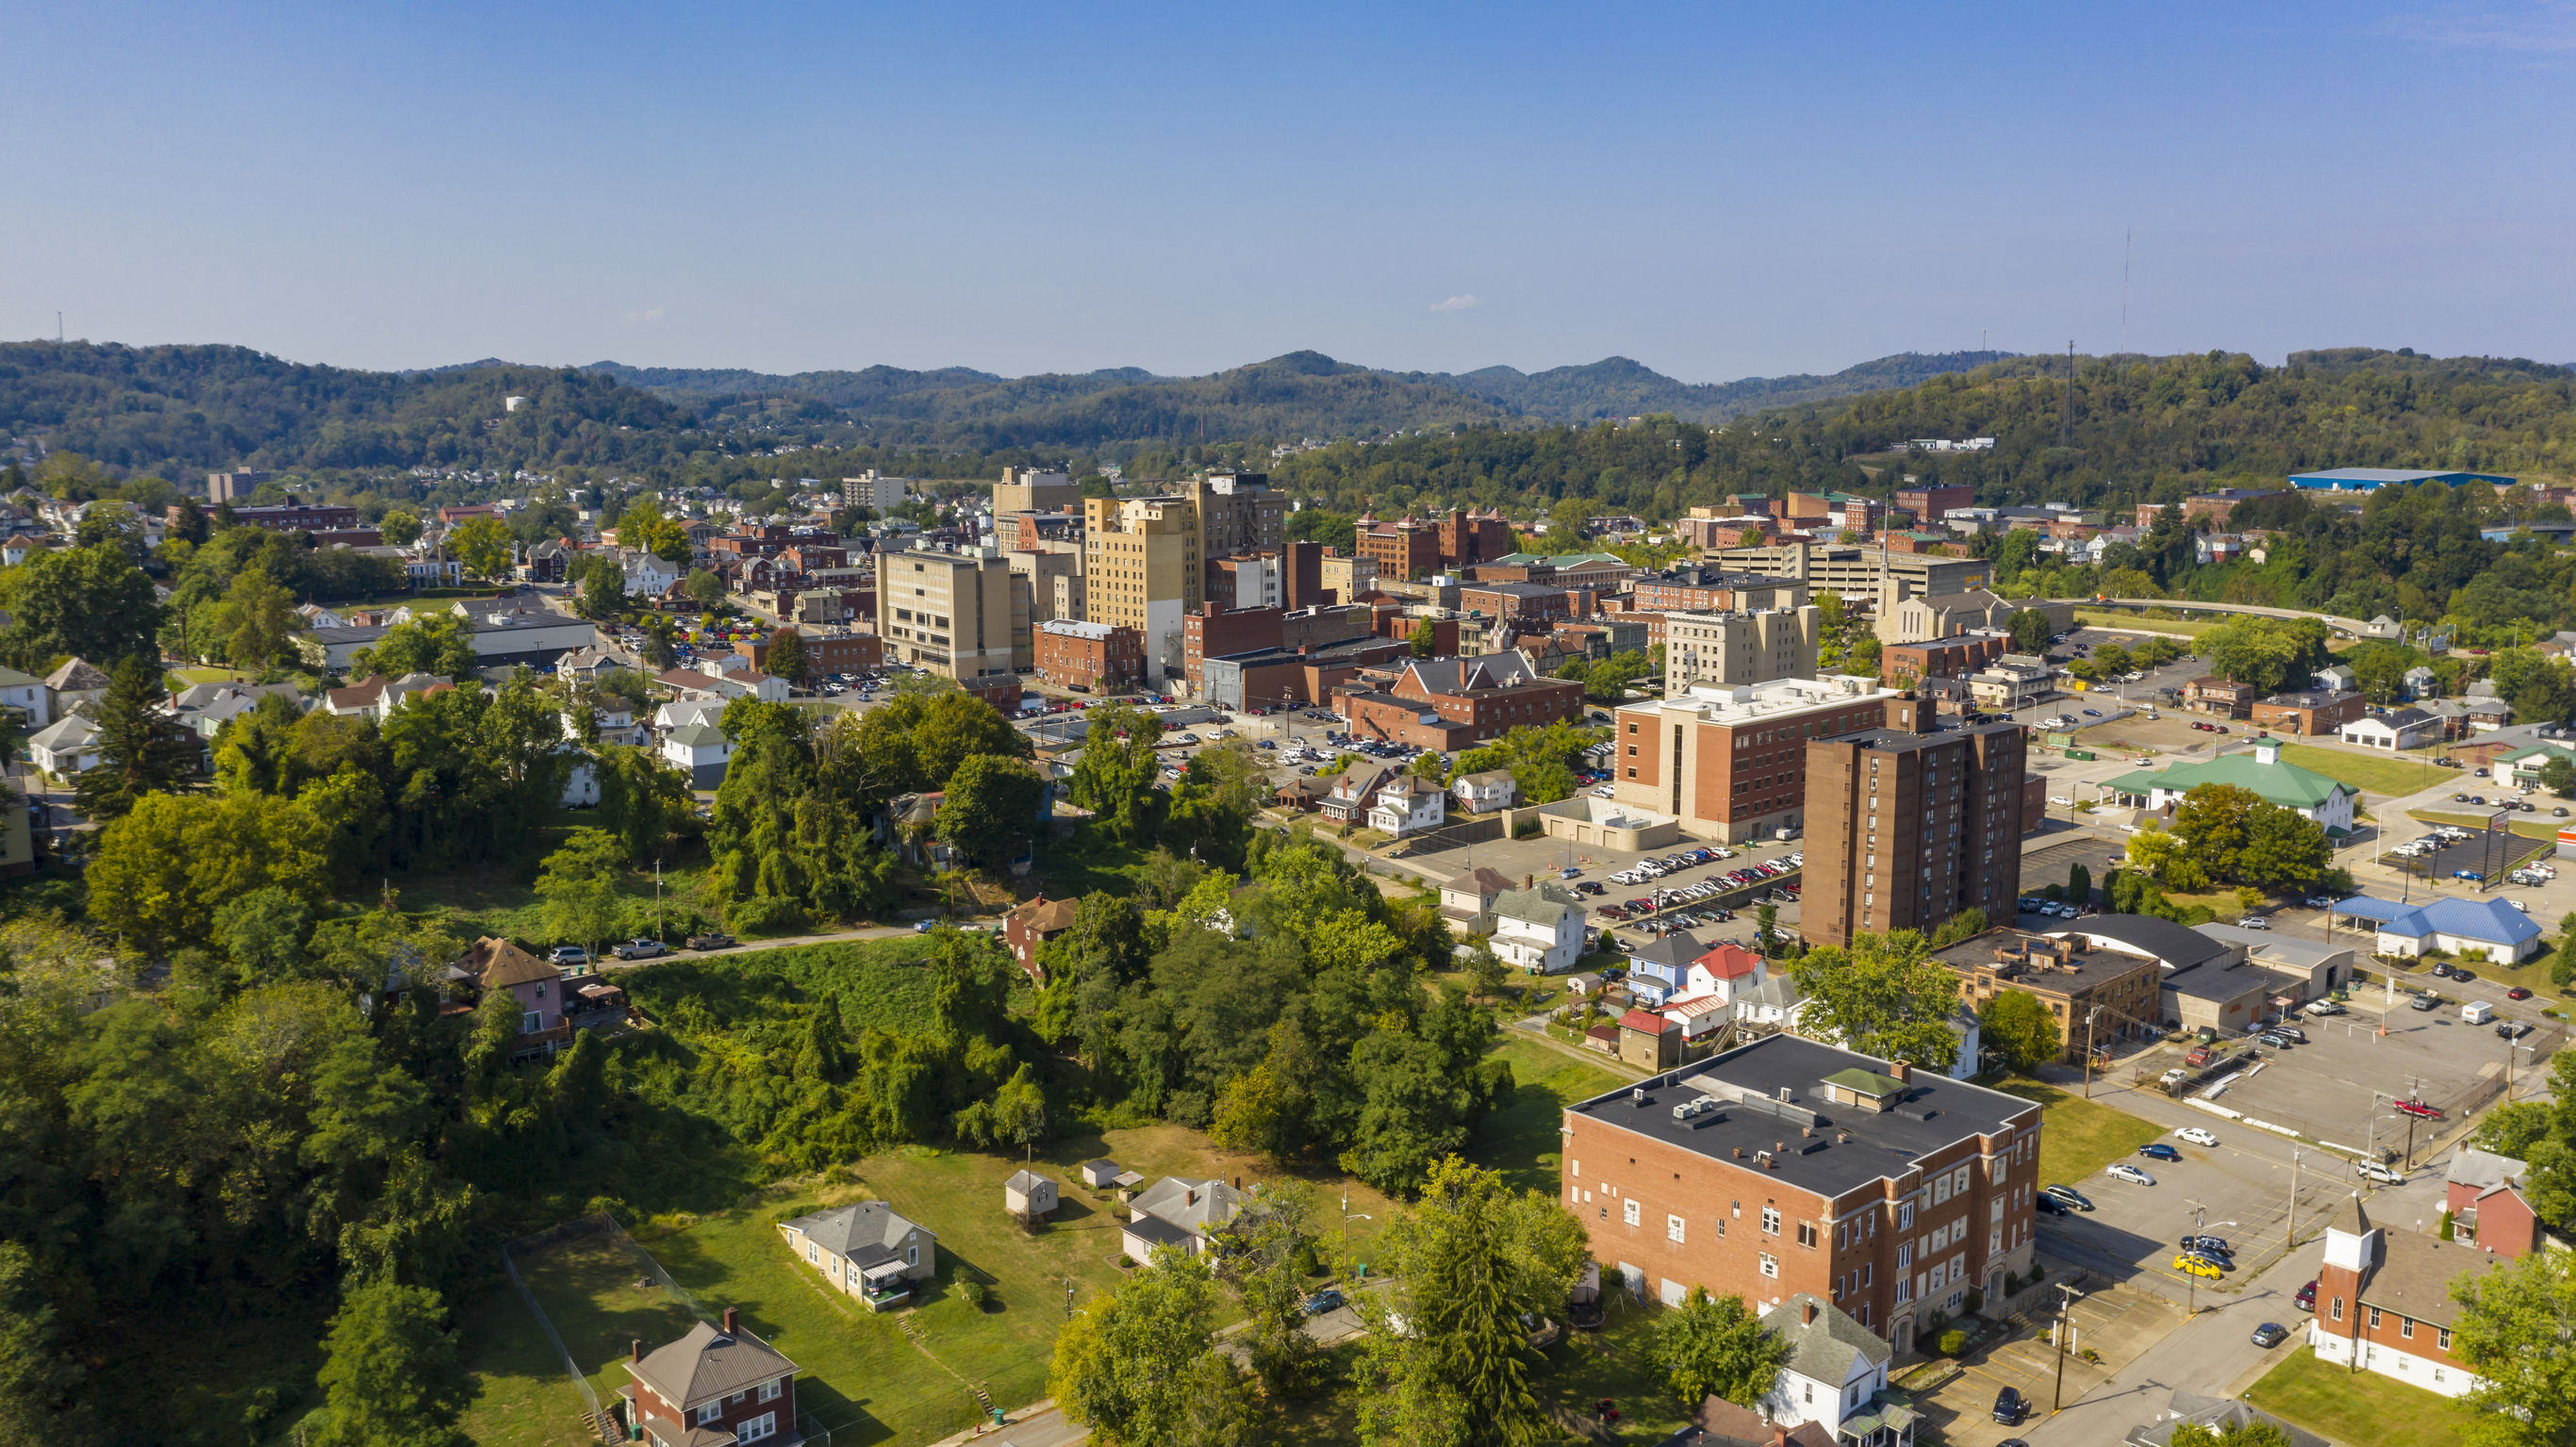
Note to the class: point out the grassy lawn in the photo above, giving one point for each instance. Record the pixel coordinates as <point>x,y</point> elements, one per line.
<point>2079,1136</point>
<point>1616,1362</point>
<point>2116,618</point>
<point>502,900</point>
<point>2370,773</point>
<point>2357,1406</point>
<point>1520,1139</point>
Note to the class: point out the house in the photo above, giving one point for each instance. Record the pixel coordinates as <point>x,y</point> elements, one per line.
<point>2487,929</point>
<point>377,696</point>
<point>1649,1039</point>
<point>2334,678</point>
<point>907,826</point>
<point>2311,714</point>
<point>76,682</point>
<point>1355,791</point>
<point>2488,1198</point>
<point>496,964</point>
<point>1029,1196</point>
<point>1026,929</point>
<point>1835,1377</point>
<point>1480,793</point>
<point>2384,1301</point>
<point>1540,930</point>
<point>204,708</point>
<point>1727,974</point>
<point>546,562</point>
<point>1406,804</point>
<point>2488,714</point>
<point>681,712</point>
<point>2211,694</point>
<point>1303,793</point>
<point>1659,969</point>
<point>2214,1415</point>
<point>68,747</point>
<point>27,694</point>
<point>741,683</point>
<point>1177,1212</point>
<point>1468,900</point>
<point>2327,801</point>
<point>700,749</point>
<point>2421,682</point>
<point>2404,728</point>
<point>717,1386</point>
<point>865,1250</point>
<point>647,574</point>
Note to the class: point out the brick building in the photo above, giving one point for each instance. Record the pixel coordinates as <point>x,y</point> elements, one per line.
<point>2316,713</point>
<point>290,517</point>
<point>2067,977</point>
<point>1404,550</point>
<point>1789,1166</point>
<point>717,1383</point>
<point>1458,703</point>
<point>1444,631</point>
<point>1521,602</point>
<point>1736,648</point>
<point>2384,1301</point>
<point>1928,501</point>
<point>1909,823</point>
<point>2222,697</point>
<point>1091,657</point>
<point>851,653</point>
<point>1693,590</point>
<point>2214,506</point>
<point>1956,656</point>
<point>1301,677</point>
<point>1731,763</point>
<point>1214,630</point>
<point>1473,537</point>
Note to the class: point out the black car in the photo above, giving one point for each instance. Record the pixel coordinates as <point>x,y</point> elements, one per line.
<point>2159,1151</point>
<point>2069,1196</point>
<point>2208,1245</point>
<point>2048,1205</point>
<point>2011,1406</point>
<point>2271,1334</point>
<point>2513,1029</point>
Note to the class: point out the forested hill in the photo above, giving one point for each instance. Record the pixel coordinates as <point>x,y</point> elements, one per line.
<point>1616,387</point>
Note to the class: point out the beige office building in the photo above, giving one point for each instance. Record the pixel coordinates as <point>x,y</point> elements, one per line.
<point>1142,569</point>
<point>962,615</point>
<point>1238,513</point>
<point>1030,489</point>
<point>1347,578</point>
<point>1054,574</point>
<point>1860,574</point>
<point>1727,649</point>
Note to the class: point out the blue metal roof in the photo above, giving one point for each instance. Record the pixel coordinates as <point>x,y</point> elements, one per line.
<point>2469,919</point>
<point>2363,479</point>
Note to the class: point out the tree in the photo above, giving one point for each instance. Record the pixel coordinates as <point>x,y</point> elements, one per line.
<point>399,528</point>
<point>141,748</point>
<point>603,589</point>
<point>643,801</point>
<point>646,528</point>
<point>2016,1026</point>
<point>1125,1365</point>
<point>2079,884</point>
<point>2030,629</point>
<point>2514,1325</point>
<point>578,884</point>
<point>990,814</point>
<point>1883,996</point>
<point>263,620</point>
<point>1264,1253</point>
<point>704,585</point>
<point>483,544</point>
<point>2558,776</point>
<point>1426,639</point>
<point>787,656</point>
<point>1447,1357</point>
<point>433,643</point>
<point>2267,654</point>
<point>36,1375</point>
<point>91,603</point>
<point>2233,1434</point>
<point>1114,777</point>
<point>1713,1347</point>
<point>391,1377</point>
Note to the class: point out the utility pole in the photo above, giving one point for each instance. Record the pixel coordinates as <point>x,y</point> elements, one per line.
<point>2089,1017</point>
<point>2067,1297</point>
<point>2290,1226</point>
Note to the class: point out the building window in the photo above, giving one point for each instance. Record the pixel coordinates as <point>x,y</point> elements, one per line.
<point>1905,1216</point>
<point>1770,1220</point>
<point>769,1391</point>
<point>1628,1210</point>
<point>1807,1233</point>
<point>763,1426</point>
<point>2374,1318</point>
<point>710,1412</point>
<point>1673,1228</point>
<point>2338,1308</point>
<point>2406,1327</point>
<point>2442,1339</point>
<point>1770,1265</point>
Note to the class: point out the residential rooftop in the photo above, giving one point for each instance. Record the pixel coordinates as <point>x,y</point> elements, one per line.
<point>1764,1095</point>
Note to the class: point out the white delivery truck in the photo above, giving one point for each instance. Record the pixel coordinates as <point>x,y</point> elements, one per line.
<point>2476,1012</point>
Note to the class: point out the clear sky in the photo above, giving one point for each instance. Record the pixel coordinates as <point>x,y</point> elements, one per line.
<point>1714,190</point>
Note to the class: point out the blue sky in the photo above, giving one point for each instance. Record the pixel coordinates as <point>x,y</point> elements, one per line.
<point>1716,191</point>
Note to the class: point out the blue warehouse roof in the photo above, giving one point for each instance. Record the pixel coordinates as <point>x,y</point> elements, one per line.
<point>2365,479</point>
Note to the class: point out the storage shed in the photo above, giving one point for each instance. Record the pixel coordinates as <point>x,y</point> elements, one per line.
<point>1029,1196</point>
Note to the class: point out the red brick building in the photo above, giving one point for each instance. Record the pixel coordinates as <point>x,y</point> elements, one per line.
<point>1395,623</point>
<point>1027,928</point>
<point>1733,768</point>
<point>1789,1166</point>
<point>1468,700</point>
<point>1091,657</point>
<point>1404,550</point>
<point>1929,501</point>
<point>855,653</point>
<point>2488,1198</point>
<point>1213,630</point>
<point>1911,823</point>
<point>1522,602</point>
<point>1473,537</point>
<point>2317,713</point>
<point>2384,1301</point>
<point>1956,656</point>
<point>715,1384</point>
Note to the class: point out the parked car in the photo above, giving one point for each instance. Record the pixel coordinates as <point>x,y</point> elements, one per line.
<point>1328,1299</point>
<point>2426,1001</point>
<point>2215,1247</point>
<point>640,949</point>
<point>2270,1334</point>
<point>2069,1196</point>
<point>2517,993</point>
<point>2512,1029</point>
<point>2383,1175</point>
<point>2273,1038</point>
<point>2048,1205</point>
<point>2306,1300</point>
<point>2200,1266</point>
<point>2159,1151</point>
<point>715,941</point>
<point>568,955</point>
<point>2324,1007</point>
<point>2011,1406</point>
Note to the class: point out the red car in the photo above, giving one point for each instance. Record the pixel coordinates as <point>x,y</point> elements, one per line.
<point>2306,1300</point>
<point>2420,1110</point>
<point>2517,993</point>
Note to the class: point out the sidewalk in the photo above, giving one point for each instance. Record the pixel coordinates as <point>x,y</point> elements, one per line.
<point>1039,1424</point>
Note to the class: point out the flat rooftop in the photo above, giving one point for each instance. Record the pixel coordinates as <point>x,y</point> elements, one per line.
<point>2083,970</point>
<point>1931,1112</point>
<point>1898,741</point>
<point>1717,703</point>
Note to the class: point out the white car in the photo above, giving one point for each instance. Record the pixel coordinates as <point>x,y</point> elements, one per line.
<point>2196,1136</point>
<point>2062,800</point>
<point>2123,1171</point>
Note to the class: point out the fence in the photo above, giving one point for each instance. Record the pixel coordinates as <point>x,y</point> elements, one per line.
<point>602,1422</point>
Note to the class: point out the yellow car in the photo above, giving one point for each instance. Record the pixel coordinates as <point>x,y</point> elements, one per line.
<point>2197,1267</point>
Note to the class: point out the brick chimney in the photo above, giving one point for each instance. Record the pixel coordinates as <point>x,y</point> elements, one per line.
<point>1901,1069</point>
<point>1807,1311</point>
<point>732,1320</point>
<point>635,1350</point>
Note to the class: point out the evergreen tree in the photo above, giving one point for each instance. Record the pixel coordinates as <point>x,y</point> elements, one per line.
<point>787,656</point>
<point>142,750</point>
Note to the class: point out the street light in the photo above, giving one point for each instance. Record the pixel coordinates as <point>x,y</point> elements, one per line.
<point>2191,1282</point>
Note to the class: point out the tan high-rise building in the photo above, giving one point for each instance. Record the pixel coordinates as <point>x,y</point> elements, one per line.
<point>1054,573</point>
<point>1238,513</point>
<point>1142,569</point>
<point>961,615</point>
<point>1911,823</point>
<point>1347,578</point>
<point>1030,489</point>
<point>1728,649</point>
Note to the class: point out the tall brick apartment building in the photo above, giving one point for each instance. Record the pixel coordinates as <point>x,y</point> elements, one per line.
<point>1474,537</point>
<point>1732,762</point>
<point>1955,656</point>
<point>1093,657</point>
<point>1403,550</point>
<point>1911,823</point>
<point>1788,1165</point>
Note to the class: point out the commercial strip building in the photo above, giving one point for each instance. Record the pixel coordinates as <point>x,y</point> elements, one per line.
<point>1910,823</point>
<point>2215,977</point>
<point>2261,769</point>
<point>1787,1166</point>
<point>2488,929</point>
<point>963,616</point>
<point>1302,677</point>
<point>1730,763</point>
<point>1090,657</point>
<point>2095,996</point>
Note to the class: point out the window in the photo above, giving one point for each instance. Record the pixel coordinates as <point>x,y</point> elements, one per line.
<point>1997,1213</point>
<point>1904,1255</point>
<point>1905,1216</point>
<point>1574,1168</point>
<point>1807,1234</point>
<point>710,1412</point>
<point>1940,1190</point>
<point>2442,1339</point>
<point>2406,1327</point>
<point>2374,1318</point>
<point>813,1252</point>
<point>1770,1220</point>
<point>763,1426</point>
<point>769,1391</point>
<point>1770,1264</point>
<point>2338,1308</point>
<point>531,1022</point>
<point>1628,1210</point>
<point>1673,1228</point>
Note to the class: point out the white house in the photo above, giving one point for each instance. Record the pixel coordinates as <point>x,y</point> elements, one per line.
<point>681,712</point>
<point>702,750</point>
<point>2405,728</point>
<point>866,1251</point>
<point>1479,793</point>
<point>1176,1211</point>
<point>581,780</point>
<point>1836,1371</point>
<point>69,747</point>
<point>2420,682</point>
<point>26,693</point>
<point>647,574</point>
<point>1407,805</point>
<point>1539,930</point>
<point>1468,900</point>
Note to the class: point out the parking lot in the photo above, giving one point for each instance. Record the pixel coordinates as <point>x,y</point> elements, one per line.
<point>2488,854</point>
<point>2332,1088</point>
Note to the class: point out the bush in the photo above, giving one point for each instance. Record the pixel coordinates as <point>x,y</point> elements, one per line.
<point>1953,1342</point>
<point>1976,1301</point>
<point>2446,1232</point>
<point>976,1295</point>
<point>764,914</point>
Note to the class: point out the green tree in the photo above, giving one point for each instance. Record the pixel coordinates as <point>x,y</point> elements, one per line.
<point>578,884</point>
<point>263,619</point>
<point>141,748</point>
<point>434,643</point>
<point>2030,629</point>
<point>2558,776</point>
<point>1124,1366</point>
<point>1713,1347</point>
<point>1426,639</point>
<point>483,545</point>
<point>2514,1325</point>
<point>1447,1356</point>
<point>1265,1253</point>
<point>2018,1027</point>
<point>391,1375</point>
<point>399,528</point>
<point>2379,669</point>
<point>1114,776</point>
<point>704,585</point>
<point>91,603</point>
<point>2267,654</point>
<point>645,527</point>
<point>643,801</point>
<point>990,814</point>
<point>2079,884</point>
<point>37,1377</point>
<point>603,589</point>
<point>2233,1434</point>
<point>787,656</point>
<point>1883,996</point>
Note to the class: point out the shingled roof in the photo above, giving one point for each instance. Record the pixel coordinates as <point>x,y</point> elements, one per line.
<point>497,964</point>
<point>710,1363</point>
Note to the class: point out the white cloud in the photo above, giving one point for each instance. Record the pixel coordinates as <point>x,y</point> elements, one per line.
<point>637,319</point>
<point>2545,28</point>
<point>1455,304</point>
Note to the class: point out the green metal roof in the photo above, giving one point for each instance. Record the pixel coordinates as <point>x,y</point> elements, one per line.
<point>1866,1082</point>
<point>2280,782</point>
